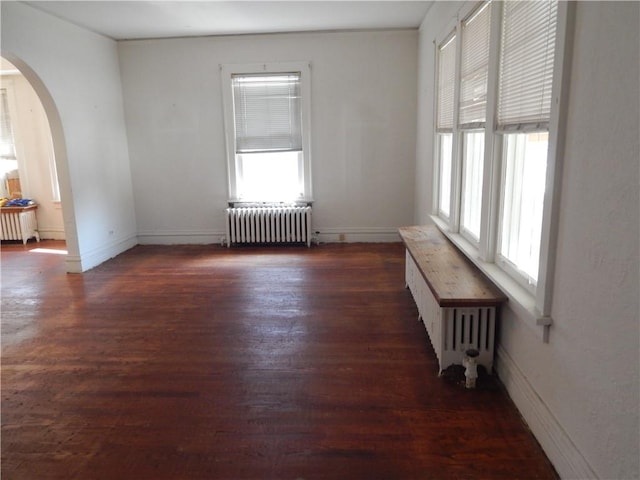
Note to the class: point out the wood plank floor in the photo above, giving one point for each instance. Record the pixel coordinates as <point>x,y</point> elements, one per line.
<point>200,362</point>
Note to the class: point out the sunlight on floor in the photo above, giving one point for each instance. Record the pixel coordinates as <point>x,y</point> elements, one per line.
<point>48,250</point>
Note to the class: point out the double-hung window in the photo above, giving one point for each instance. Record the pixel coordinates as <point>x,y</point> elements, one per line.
<point>495,156</point>
<point>267,130</point>
<point>472,107</point>
<point>444,122</point>
<point>524,109</point>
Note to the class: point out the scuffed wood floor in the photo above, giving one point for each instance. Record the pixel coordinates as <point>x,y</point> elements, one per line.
<point>201,362</point>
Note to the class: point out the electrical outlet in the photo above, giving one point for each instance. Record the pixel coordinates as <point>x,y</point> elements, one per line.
<point>341,237</point>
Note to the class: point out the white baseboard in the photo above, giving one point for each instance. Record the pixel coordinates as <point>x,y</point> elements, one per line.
<point>182,237</point>
<point>327,235</point>
<point>93,258</point>
<point>73,263</point>
<point>51,234</point>
<point>555,441</point>
<point>355,235</point>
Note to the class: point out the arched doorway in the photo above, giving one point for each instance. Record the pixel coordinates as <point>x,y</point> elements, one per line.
<point>53,179</point>
<point>27,160</point>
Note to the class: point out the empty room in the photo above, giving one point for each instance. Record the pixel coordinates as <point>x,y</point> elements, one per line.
<point>272,240</point>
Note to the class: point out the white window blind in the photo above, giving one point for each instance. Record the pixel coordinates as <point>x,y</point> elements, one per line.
<point>526,63</point>
<point>474,68</point>
<point>267,112</point>
<point>446,78</point>
<point>7,147</point>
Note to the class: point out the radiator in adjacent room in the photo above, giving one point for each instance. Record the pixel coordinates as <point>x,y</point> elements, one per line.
<point>289,224</point>
<point>19,223</point>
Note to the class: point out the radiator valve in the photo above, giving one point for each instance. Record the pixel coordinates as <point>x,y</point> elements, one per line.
<point>471,367</point>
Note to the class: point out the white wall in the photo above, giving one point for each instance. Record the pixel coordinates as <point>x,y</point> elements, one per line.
<point>76,75</point>
<point>580,392</point>
<point>34,150</point>
<point>363,111</point>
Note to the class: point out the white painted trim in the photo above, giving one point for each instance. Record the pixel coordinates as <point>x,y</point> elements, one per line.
<point>51,233</point>
<point>182,237</point>
<point>356,235</point>
<point>492,145</point>
<point>73,263</point>
<point>435,144</point>
<point>553,184</point>
<point>325,235</point>
<point>555,441</point>
<point>92,258</point>
<point>447,30</point>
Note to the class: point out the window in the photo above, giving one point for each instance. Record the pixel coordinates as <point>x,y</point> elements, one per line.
<point>503,139</point>
<point>8,160</point>
<point>524,104</point>
<point>267,129</point>
<point>474,74</point>
<point>524,169</point>
<point>7,145</point>
<point>471,193</point>
<point>444,123</point>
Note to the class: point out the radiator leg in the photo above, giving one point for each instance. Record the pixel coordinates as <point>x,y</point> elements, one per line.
<point>471,367</point>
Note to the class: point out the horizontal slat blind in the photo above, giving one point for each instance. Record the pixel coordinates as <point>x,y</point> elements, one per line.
<point>526,63</point>
<point>474,67</point>
<point>446,78</point>
<point>267,111</point>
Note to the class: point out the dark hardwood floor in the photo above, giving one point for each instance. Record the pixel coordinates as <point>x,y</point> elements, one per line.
<point>201,362</point>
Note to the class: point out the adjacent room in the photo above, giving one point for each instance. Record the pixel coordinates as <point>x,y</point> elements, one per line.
<point>218,220</point>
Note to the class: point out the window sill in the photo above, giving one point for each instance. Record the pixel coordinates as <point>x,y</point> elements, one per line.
<point>242,203</point>
<point>521,301</point>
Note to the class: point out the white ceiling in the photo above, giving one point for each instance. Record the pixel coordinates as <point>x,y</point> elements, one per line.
<point>136,19</point>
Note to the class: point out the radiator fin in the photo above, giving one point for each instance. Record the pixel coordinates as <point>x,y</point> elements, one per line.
<point>452,330</point>
<point>268,225</point>
<point>19,226</point>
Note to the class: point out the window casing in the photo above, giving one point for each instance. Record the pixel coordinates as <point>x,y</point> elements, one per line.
<point>472,115</point>
<point>267,132</point>
<point>505,138</point>
<point>445,160</point>
<point>444,122</point>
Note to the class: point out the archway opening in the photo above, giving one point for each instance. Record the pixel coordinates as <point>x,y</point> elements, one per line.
<point>39,151</point>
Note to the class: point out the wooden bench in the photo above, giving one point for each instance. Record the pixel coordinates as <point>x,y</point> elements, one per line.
<point>457,303</point>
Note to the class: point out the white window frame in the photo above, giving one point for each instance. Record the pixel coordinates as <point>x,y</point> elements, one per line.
<point>440,133</point>
<point>465,232</point>
<point>438,170</point>
<point>227,71</point>
<point>528,303</point>
<point>464,126</point>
